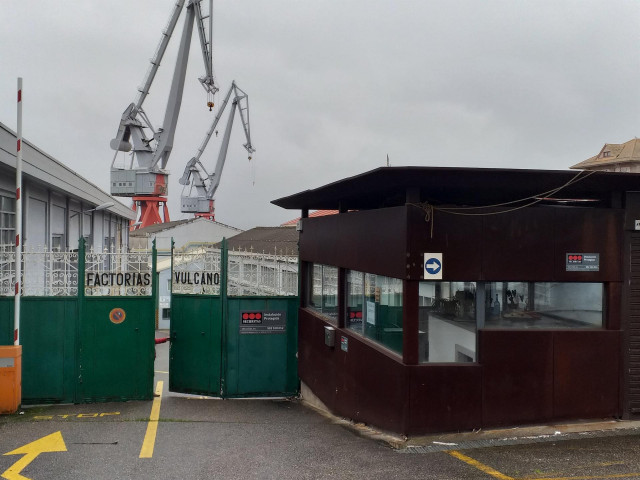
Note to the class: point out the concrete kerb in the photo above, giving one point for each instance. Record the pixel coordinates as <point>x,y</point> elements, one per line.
<point>477,438</point>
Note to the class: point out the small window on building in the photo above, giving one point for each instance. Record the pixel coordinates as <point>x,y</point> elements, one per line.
<point>447,322</point>
<point>166,313</point>
<point>544,305</point>
<point>7,220</point>
<point>56,243</point>
<point>323,293</point>
<point>374,308</point>
<point>606,154</point>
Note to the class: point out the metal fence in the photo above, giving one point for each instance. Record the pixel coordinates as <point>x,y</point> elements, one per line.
<point>256,274</point>
<point>118,273</point>
<point>51,273</point>
<point>7,269</point>
<point>196,271</point>
<point>248,274</point>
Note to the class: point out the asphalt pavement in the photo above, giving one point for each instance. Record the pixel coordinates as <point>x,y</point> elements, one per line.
<point>197,437</point>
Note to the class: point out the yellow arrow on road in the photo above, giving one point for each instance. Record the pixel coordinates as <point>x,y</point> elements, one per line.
<point>50,443</point>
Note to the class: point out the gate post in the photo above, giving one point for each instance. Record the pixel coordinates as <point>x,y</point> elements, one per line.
<point>154,282</point>
<point>224,258</point>
<point>82,247</point>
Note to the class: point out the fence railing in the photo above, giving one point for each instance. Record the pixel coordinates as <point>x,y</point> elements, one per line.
<point>252,274</point>
<point>198,271</point>
<point>118,273</point>
<point>49,272</point>
<point>7,269</point>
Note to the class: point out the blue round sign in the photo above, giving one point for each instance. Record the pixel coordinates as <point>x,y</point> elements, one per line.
<point>433,266</point>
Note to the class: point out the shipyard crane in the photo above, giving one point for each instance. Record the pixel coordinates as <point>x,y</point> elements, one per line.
<point>144,177</point>
<point>200,186</point>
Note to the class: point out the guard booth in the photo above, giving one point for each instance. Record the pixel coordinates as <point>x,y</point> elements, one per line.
<point>233,323</point>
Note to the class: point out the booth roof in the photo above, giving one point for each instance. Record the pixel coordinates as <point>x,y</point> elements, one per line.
<point>388,187</point>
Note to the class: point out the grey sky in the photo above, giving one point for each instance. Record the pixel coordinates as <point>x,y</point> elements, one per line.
<point>334,86</point>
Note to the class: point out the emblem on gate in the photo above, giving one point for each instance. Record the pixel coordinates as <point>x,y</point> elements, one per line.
<point>117,315</point>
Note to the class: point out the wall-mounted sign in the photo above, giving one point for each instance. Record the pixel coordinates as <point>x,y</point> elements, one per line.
<point>196,278</point>
<point>344,343</point>
<point>583,262</point>
<point>261,323</point>
<point>433,266</point>
<point>637,225</point>
<point>110,279</point>
<point>117,315</point>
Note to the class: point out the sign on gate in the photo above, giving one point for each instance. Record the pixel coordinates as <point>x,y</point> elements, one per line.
<point>261,323</point>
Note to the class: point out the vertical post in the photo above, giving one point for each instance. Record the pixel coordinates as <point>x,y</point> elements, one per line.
<point>154,281</point>
<point>410,322</point>
<point>82,275</point>
<point>224,254</point>
<point>16,318</point>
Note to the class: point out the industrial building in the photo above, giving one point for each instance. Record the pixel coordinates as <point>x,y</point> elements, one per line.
<point>451,299</point>
<point>59,206</point>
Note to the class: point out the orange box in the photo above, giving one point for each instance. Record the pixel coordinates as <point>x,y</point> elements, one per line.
<point>10,378</point>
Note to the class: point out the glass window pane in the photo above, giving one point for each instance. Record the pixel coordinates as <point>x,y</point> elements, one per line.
<point>382,311</point>
<point>330,292</point>
<point>315,294</point>
<point>323,292</point>
<point>355,298</point>
<point>447,322</point>
<point>544,305</point>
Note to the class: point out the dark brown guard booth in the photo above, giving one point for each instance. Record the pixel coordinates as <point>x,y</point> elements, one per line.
<point>471,298</point>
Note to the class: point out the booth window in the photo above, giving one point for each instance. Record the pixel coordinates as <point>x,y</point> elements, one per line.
<point>543,305</point>
<point>447,322</point>
<point>323,294</point>
<point>374,308</point>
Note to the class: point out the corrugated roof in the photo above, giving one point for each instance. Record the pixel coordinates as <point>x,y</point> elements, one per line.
<point>271,240</point>
<point>613,153</point>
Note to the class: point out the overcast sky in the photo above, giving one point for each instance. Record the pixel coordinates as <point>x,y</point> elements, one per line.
<point>334,86</point>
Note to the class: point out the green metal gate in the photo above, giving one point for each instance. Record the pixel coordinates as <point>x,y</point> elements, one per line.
<point>231,334</point>
<point>87,324</point>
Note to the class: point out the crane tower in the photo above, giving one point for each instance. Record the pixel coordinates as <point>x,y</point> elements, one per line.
<point>144,177</point>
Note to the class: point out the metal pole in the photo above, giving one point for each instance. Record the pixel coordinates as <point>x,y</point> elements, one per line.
<point>16,319</point>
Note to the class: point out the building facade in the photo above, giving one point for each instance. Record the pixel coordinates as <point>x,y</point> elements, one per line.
<point>444,299</point>
<point>59,206</point>
<point>614,157</point>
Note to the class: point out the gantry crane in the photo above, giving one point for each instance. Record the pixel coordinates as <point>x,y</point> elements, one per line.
<point>145,177</point>
<point>200,186</point>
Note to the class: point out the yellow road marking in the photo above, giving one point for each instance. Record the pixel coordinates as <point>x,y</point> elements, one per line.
<point>480,466</point>
<point>50,443</point>
<point>619,475</point>
<point>152,427</point>
<point>496,474</point>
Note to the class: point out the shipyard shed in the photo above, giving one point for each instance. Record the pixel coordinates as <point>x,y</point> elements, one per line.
<point>58,204</point>
<point>451,299</point>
